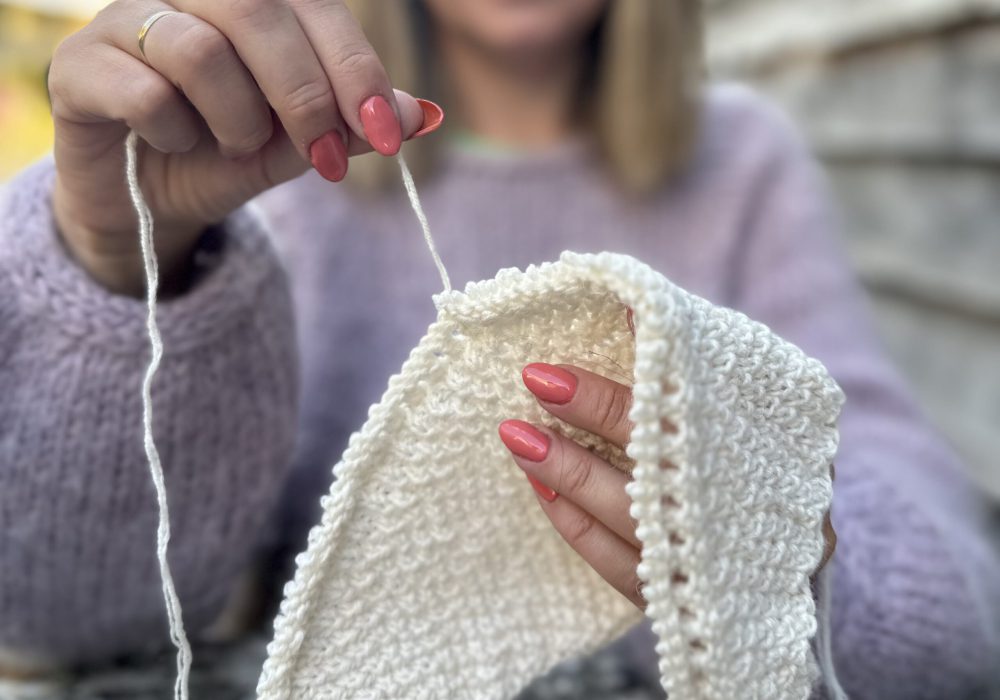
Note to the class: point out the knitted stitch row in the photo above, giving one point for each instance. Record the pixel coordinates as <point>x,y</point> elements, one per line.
<point>433,573</point>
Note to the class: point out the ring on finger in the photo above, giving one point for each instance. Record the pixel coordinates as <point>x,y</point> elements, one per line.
<point>148,24</point>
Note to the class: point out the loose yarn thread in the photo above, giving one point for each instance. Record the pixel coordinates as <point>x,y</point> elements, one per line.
<point>824,646</point>
<point>411,191</point>
<point>177,634</point>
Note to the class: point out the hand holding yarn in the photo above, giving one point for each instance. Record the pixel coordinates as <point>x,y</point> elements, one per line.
<point>583,495</point>
<point>233,98</point>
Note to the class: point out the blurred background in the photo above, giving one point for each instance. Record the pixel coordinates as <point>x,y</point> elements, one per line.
<point>29,31</point>
<point>899,98</point>
<point>901,101</point>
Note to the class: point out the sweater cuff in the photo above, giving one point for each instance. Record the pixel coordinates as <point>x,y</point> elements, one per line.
<point>900,603</point>
<point>50,286</point>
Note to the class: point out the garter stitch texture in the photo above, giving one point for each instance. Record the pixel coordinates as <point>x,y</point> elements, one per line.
<point>434,574</point>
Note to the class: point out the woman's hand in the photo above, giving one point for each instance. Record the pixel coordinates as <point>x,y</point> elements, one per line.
<point>581,493</point>
<point>234,96</point>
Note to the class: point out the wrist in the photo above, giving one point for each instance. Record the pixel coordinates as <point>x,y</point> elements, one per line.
<point>113,258</point>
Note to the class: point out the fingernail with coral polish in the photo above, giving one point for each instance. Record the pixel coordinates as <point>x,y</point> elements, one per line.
<point>524,440</point>
<point>549,383</point>
<point>433,117</point>
<point>328,155</point>
<point>541,489</point>
<point>381,125</point>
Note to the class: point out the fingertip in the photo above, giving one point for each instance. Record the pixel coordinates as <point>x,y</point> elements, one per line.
<point>411,116</point>
<point>381,125</point>
<point>419,116</point>
<point>549,383</point>
<point>169,142</point>
<point>328,156</point>
<point>524,440</point>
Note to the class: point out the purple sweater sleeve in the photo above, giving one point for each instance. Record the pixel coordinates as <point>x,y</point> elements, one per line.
<point>916,576</point>
<point>78,575</point>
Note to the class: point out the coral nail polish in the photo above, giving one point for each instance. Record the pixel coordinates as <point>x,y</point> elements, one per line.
<point>433,117</point>
<point>328,155</point>
<point>549,383</point>
<point>541,489</point>
<point>381,125</point>
<point>524,440</point>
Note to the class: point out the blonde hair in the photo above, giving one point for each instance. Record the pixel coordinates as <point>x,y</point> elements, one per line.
<point>641,101</point>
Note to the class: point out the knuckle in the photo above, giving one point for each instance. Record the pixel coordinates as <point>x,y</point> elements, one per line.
<point>356,58</point>
<point>60,59</point>
<point>309,100</point>
<point>69,96</point>
<point>253,140</point>
<point>323,5</point>
<point>69,53</point>
<point>576,475</point>
<point>579,527</point>
<point>204,47</point>
<point>612,409</point>
<point>248,10</point>
<point>152,98</point>
<point>108,12</point>
<point>59,54</point>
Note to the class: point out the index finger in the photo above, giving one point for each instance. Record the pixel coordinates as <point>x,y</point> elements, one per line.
<point>586,400</point>
<point>271,42</point>
<point>360,82</point>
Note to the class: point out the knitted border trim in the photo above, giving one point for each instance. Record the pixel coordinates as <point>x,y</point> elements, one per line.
<point>665,490</point>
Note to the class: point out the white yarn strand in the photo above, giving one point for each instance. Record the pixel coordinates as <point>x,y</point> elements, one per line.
<point>177,634</point>
<point>824,647</point>
<point>173,606</point>
<point>411,190</point>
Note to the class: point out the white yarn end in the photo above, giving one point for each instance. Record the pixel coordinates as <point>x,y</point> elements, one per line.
<point>173,604</point>
<point>411,190</point>
<point>824,647</point>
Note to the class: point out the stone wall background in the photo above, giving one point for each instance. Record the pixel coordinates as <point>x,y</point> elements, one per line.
<point>901,101</point>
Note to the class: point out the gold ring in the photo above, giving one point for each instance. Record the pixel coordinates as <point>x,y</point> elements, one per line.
<point>148,24</point>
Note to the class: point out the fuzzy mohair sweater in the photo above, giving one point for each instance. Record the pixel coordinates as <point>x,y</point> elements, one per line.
<point>311,297</point>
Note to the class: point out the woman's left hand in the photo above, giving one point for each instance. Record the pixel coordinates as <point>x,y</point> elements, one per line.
<point>580,492</point>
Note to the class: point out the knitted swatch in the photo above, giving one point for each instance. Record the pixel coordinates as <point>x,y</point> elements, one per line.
<point>433,572</point>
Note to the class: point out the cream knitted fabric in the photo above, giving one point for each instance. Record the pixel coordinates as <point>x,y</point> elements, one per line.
<point>434,574</point>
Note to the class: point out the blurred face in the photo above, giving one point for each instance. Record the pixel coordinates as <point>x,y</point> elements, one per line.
<point>517,28</point>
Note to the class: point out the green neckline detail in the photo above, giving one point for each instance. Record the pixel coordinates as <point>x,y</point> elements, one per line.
<point>473,143</point>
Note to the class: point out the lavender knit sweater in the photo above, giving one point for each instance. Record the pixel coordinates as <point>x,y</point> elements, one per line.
<point>916,579</point>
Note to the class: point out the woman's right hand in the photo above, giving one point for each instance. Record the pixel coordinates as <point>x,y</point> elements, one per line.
<point>234,96</point>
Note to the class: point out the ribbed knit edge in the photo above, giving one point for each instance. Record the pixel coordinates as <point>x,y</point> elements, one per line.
<point>50,285</point>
